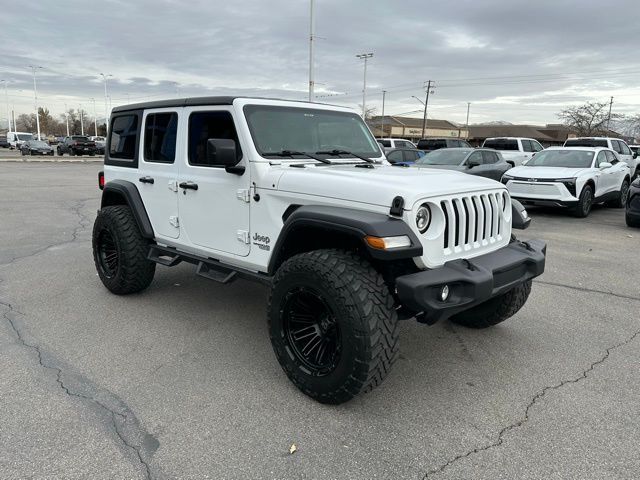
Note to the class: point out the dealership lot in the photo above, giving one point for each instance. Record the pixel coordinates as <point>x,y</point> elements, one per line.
<point>180,381</point>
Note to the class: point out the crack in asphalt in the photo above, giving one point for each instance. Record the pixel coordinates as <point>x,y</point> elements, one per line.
<point>115,416</point>
<point>588,290</point>
<point>525,418</point>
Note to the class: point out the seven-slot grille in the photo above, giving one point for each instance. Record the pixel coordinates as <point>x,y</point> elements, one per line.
<point>472,221</point>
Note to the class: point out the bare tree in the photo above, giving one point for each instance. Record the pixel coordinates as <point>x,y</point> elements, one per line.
<point>26,122</point>
<point>628,125</point>
<point>588,119</point>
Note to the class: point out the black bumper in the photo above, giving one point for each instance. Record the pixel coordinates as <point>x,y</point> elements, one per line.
<point>546,203</point>
<point>470,282</point>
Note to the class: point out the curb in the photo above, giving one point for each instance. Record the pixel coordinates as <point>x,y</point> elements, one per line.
<point>30,160</point>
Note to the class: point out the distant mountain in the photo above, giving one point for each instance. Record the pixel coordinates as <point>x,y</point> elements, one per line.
<point>496,122</point>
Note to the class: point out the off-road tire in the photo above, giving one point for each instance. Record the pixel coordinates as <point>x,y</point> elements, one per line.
<point>363,310</point>
<point>621,199</point>
<point>585,202</point>
<point>495,310</point>
<point>631,222</point>
<point>60,154</point>
<point>133,272</point>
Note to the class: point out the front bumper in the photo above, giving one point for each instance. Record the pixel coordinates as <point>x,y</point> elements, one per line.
<point>472,281</point>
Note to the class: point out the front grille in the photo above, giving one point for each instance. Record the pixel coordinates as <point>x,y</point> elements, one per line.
<point>472,221</point>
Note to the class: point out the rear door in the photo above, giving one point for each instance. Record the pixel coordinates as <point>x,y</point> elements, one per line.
<point>490,166</point>
<point>157,182</point>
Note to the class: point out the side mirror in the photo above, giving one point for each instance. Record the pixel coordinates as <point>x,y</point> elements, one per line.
<point>604,165</point>
<point>635,155</point>
<point>472,163</point>
<point>222,152</point>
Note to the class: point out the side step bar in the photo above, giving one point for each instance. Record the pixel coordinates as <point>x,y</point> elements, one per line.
<point>205,267</point>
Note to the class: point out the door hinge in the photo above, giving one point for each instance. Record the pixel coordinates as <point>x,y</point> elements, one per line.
<point>173,185</point>
<point>173,220</point>
<point>243,236</point>
<point>243,194</point>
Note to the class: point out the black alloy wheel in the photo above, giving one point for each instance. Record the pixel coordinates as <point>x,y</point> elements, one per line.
<point>108,257</point>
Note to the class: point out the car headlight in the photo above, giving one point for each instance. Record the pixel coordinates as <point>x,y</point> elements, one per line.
<point>423,218</point>
<point>570,183</point>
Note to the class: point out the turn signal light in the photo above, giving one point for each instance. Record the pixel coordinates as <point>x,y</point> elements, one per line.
<point>388,243</point>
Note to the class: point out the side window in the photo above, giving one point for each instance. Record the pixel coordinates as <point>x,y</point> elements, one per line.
<point>489,157</point>
<point>411,155</point>
<point>611,157</point>
<point>615,144</point>
<point>160,132</point>
<point>385,143</point>
<point>602,157</point>
<point>527,146</point>
<point>475,157</point>
<point>124,137</point>
<point>536,146</point>
<point>625,149</point>
<point>395,156</point>
<point>206,125</point>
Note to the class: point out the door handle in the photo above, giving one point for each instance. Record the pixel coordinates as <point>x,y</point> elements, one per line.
<point>189,185</point>
<point>146,180</point>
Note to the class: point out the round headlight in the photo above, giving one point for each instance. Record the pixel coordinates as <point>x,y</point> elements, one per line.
<point>423,218</point>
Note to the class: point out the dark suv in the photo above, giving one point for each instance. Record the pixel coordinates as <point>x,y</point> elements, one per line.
<point>430,144</point>
<point>77,145</point>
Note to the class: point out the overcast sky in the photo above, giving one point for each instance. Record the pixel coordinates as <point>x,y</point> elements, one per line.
<point>516,61</point>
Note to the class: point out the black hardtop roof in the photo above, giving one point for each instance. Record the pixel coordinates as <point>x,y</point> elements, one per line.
<point>192,101</point>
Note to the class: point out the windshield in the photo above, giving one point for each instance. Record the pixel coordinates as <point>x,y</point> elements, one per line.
<point>78,137</point>
<point>24,136</point>
<point>36,143</point>
<point>276,129</point>
<point>444,156</point>
<point>585,142</point>
<point>501,144</point>
<point>562,158</point>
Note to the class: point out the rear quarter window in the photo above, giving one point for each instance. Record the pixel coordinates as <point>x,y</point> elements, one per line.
<point>502,144</point>
<point>123,140</point>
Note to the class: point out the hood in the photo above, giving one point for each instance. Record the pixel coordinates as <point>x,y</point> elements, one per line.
<point>381,184</point>
<point>456,168</point>
<point>545,172</point>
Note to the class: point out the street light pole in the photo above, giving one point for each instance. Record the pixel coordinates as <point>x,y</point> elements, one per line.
<point>6,95</point>
<point>311,81</point>
<point>66,116</point>
<point>106,115</point>
<point>609,117</point>
<point>467,124</point>
<point>95,117</point>
<point>35,96</point>
<point>81,120</point>
<point>426,104</point>
<point>384,94</point>
<point>364,56</point>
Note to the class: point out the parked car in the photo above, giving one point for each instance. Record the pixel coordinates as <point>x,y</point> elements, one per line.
<point>482,161</point>
<point>403,156</point>
<point>619,146</point>
<point>574,177</point>
<point>393,143</point>
<point>632,210</point>
<point>430,144</point>
<point>53,140</point>
<point>36,147</point>
<point>635,149</point>
<point>16,139</point>
<point>77,145</point>
<point>100,143</point>
<point>514,150</point>
<point>3,142</point>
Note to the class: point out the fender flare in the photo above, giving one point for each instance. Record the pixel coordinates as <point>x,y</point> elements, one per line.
<point>119,192</point>
<point>356,223</point>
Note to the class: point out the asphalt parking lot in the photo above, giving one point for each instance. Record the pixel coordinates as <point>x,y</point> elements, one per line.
<point>181,382</point>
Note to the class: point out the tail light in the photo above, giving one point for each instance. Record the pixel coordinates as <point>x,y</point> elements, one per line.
<point>101,180</point>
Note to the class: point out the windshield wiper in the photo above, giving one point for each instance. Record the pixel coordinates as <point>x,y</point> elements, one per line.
<point>291,153</point>
<point>345,152</point>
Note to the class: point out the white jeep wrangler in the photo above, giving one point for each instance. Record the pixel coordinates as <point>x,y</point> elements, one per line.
<point>298,196</point>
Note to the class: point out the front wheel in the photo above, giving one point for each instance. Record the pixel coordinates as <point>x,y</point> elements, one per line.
<point>585,202</point>
<point>332,324</point>
<point>495,310</point>
<point>120,251</point>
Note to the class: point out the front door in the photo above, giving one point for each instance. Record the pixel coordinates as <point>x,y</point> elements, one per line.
<point>213,203</point>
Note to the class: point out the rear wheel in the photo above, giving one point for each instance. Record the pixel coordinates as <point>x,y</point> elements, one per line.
<point>585,202</point>
<point>623,194</point>
<point>120,251</point>
<point>496,310</point>
<point>332,324</point>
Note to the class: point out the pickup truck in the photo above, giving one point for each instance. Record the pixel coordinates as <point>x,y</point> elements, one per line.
<point>77,145</point>
<point>514,150</point>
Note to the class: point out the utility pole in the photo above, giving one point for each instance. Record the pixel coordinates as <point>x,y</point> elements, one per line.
<point>6,95</point>
<point>609,117</point>
<point>384,94</point>
<point>81,121</point>
<point>106,114</point>
<point>35,96</point>
<point>66,116</point>
<point>95,117</point>
<point>311,82</point>
<point>426,104</point>
<point>467,124</point>
<point>364,56</point>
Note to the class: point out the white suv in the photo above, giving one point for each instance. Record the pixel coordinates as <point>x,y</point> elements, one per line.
<point>298,196</point>
<point>515,150</point>
<point>572,177</point>
<point>393,143</point>
<point>623,152</point>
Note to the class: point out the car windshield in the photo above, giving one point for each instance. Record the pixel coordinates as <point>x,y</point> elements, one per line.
<point>562,158</point>
<point>24,136</point>
<point>78,137</point>
<point>444,156</point>
<point>501,144</point>
<point>586,142</point>
<point>38,143</point>
<point>277,129</point>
